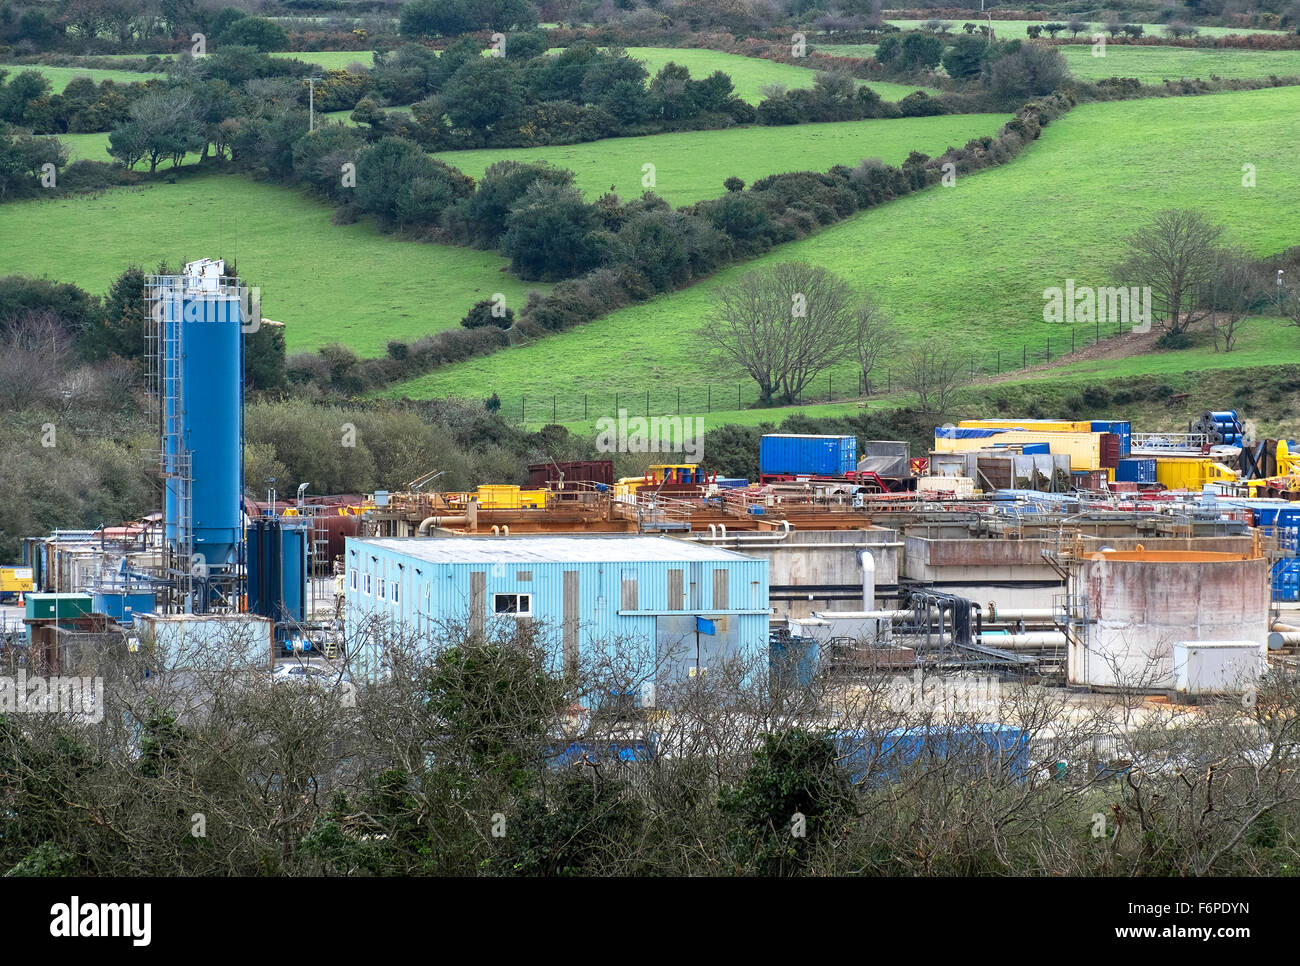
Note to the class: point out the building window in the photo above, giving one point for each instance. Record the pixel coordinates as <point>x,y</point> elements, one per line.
<point>353,578</point>
<point>394,590</point>
<point>520,605</point>
<point>380,595</point>
<point>365,583</point>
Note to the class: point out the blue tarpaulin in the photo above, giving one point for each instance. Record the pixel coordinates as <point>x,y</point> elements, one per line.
<point>956,432</point>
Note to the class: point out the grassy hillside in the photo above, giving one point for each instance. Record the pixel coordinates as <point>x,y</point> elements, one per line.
<point>1152,65</point>
<point>330,59</point>
<point>327,282</point>
<point>748,74</point>
<point>60,77</point>
<point>1009,29</point>
<point>692,165</point>
<point>969,263</point>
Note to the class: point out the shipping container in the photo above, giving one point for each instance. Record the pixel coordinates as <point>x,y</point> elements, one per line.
<point>1036,425</point>
<point>1135,470</point>
<point>123,607</point>
<point>781,454</point>
<point>1084,448</point>
<point>570,472</point>
<point>1110,452</point>
<point>1189,472</point>
<point>207,642</point>
<point>1120,428</point>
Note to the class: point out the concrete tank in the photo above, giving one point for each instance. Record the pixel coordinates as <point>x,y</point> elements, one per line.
<point>1138,604</point>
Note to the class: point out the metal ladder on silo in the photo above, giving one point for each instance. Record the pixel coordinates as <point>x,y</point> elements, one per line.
<point>177,466</point>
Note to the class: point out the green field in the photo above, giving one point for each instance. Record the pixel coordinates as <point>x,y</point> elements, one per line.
<point>1010,29</point>
<point>330,59</point>
<point>968,263</point>
<point>692,165</point>
<point>326,282</point>
<point>1152,65</point>
<point>60,77</point>
<point>749,74</point>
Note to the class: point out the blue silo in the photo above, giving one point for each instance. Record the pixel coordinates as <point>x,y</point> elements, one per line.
<point>277,568</point>
<point>201,385</point>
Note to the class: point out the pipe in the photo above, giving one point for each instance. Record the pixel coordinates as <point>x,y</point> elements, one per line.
<point>1014,614</point>
<point>505,530</point>
<point>854,615</point>
<point>1024,641</point>
<point>1280,639</point>
<point>713,530</point>
<point>452,521</point>
<point>1280,626</point>
<point>496,530</point>
<point>868,564</point>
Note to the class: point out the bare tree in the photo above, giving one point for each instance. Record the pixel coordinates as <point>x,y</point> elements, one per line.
<point>875,336</point>
<point>1236,289</point>
<point>935,370</point>
<point>784,326</point>
<point>1174,255</point>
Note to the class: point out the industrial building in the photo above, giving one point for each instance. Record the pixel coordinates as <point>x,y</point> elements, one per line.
<point>670,607</point>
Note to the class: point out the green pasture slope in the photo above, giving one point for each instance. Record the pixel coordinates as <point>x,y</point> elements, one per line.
<point>1153,65</point>
<point>61,77</point>
<point>749,74</point>
<point>328,283</point>
<point>1010,29</point>
<point>691,166</point>
<point>969,263</point>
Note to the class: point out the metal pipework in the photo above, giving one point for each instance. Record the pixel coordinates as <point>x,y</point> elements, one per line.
<point>1013,615</point>
<point>868,564</point>
<point>459,520</point>
<point>1280,639</point>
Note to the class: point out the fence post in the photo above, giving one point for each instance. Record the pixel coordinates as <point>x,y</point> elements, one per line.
<point>679,400</point>
<point>999,362</point>
<point>1049,349</point>
<point>738,388</point>
<point>555,397</point>
<point>1024,355</point>
<point>521,409</point>
<point>889,384</point>
<point>616,405</point>
<point>708,395</point>
<point>584,405</point>
<point>830,393</point>
<point>647,404</point>
<point>1071,338</point>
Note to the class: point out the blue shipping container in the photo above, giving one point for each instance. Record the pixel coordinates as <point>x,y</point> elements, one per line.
<point>982,748</point>
<point>1136,471</point>
<point>1120,428</point>
<point>787,455</point>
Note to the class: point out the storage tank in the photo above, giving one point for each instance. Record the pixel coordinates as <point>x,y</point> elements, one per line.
<point>277,568</point>
<point>1135,605</point>
<point>201,389</point>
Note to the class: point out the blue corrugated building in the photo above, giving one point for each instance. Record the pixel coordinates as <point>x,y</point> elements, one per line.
<point>670,606</point>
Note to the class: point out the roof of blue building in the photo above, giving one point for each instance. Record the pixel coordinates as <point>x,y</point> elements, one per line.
<point>613,548</point>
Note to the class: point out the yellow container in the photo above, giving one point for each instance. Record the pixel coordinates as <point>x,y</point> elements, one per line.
<point>533,499</point>
<point>499,496</point>
<point>1190,472</point>
<point>1036,425</point>
<point>1084,448</point>
<point>16,580</point>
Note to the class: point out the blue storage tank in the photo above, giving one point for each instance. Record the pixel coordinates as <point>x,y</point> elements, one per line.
<point>1286,580</point>
<point>793,661</point>
<point>202,387</point>
<point>123,606</point>
<point>1135,471</point>
<point>277,568</point>
<point>781,454</point>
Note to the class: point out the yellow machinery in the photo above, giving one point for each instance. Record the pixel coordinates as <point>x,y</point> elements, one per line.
<point>1190,472</point>
<point>1084,448</point>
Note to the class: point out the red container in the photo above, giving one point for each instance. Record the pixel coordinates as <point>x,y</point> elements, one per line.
<point>1110,450</point>
<point>574,471</point>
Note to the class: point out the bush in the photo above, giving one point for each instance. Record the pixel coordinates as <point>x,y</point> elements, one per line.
<point>1174,340</point>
